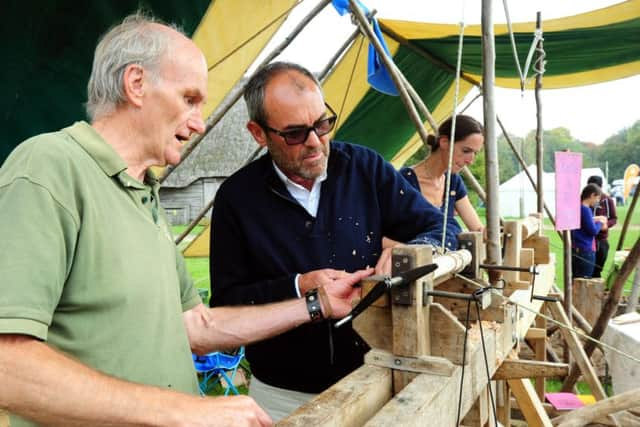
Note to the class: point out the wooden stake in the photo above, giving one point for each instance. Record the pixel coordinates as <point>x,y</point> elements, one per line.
<point>529,403</point>
<point>577,351</point>
<point>608,310</point>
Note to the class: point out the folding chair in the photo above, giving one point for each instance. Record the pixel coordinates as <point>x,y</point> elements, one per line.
<point>216,366</point>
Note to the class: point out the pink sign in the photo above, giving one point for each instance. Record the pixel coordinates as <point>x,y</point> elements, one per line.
<point>568,169</point>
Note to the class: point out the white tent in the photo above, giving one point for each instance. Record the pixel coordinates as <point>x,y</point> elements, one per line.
<point>517,197</point>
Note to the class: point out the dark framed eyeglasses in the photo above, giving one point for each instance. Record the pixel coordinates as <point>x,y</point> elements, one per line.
<point>299,135</point>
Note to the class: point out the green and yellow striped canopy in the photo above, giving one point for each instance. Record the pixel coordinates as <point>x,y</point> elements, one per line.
<point>589,48</point>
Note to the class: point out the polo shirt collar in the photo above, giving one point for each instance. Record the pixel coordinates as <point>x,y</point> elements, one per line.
<point>103,153</point>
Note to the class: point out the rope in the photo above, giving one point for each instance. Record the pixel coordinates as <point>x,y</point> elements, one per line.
<point>447,188</point>
<point>560,324</point>
<point>537,36</point>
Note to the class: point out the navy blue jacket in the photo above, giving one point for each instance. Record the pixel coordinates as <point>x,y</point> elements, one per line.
<point>262,237</point>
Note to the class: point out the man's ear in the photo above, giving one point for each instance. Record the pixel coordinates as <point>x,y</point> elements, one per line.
<point>134,81</point>
<point>257,132</point>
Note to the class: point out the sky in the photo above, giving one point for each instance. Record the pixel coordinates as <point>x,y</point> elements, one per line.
<point>591,113</point>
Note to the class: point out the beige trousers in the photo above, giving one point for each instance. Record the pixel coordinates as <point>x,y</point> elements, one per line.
<point>277,402</point>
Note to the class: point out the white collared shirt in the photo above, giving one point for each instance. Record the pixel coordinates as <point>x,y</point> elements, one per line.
<point>309,200</point>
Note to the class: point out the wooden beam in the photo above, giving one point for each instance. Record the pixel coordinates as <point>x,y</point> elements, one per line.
<point>581,358</point>
<point>540,246</point>
<point>589,413</point>
<point>512,369</point>
<point>544,282</point>
<point>433,400</point>
<point>529,403</point>
<point>420,364</point>
<point>536,334</point>
<point>348,403</point>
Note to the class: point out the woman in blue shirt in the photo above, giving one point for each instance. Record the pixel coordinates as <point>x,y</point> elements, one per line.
<point>583,244</point>
<point>429,176</point>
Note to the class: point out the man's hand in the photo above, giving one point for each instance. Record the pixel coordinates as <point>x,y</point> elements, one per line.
<point>383,266</point>
<point>241,411</point>
<point>339,286</point>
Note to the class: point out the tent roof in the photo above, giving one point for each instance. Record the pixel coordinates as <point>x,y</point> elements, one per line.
<point>588,48</point>
<point>48,57</point>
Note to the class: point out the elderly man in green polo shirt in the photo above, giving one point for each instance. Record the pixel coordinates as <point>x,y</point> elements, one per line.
<point>98,316</point>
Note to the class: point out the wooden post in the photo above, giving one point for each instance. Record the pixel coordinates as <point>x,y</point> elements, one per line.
<point>635,292</point>
<point>627,220</point>
<point>566,241</point>
<point>582,360</point>
<point>529,404</point>
<point>4,419</point>
<point>504,403</point>
<point>491,145</point>
<point>539,129</point>
<point>391,69</point>
<point>587,298</point>
<point>235,94</point>
<point>410,316</point>
<point>541,352</point>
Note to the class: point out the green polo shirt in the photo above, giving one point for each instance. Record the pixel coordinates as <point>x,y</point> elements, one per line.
<point>88,262</point>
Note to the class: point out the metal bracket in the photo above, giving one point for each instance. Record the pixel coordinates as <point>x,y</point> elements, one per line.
<point>401,295</point>
<point>471,269</point>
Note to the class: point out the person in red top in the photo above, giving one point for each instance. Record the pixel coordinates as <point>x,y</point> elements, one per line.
<point>605,207</point>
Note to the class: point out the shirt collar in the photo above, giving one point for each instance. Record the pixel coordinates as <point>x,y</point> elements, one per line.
<point>287,182</point>
<point>103,153</point>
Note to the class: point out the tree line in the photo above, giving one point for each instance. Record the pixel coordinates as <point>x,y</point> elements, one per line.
<point>619,150</point>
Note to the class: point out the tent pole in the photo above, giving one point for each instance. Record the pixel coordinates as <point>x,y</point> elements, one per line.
<point>539,129</point>
<point>323,74</point>
<point>393,72</point>
<point>235,94</point>
<point>494,255</point>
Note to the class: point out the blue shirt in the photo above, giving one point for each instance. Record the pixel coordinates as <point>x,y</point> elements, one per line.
<point>583,237</point>
<point>457,191</point>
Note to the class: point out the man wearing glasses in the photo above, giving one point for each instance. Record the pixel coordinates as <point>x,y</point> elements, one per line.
<point>298,218</point>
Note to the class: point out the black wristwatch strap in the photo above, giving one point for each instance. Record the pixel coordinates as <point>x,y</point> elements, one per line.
<point>313,305</point>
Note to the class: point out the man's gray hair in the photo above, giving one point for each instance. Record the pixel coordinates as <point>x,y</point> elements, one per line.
<point>134,41</point>
<point>254,91</point>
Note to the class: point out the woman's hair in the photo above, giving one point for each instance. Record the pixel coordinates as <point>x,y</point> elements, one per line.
<point>589,190</point>
<point>465,126</point>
